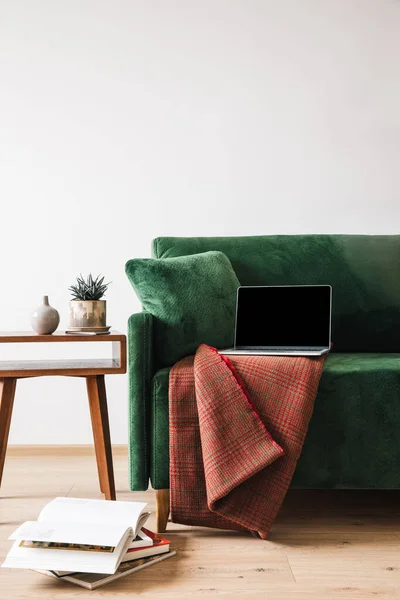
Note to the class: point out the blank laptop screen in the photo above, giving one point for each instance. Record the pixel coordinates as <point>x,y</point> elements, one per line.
<point>283,316</point>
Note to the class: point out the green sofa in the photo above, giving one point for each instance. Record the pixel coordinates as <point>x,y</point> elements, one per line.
<point>353,438</point>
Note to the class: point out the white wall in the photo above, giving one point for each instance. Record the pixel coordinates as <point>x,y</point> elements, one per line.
<point>122,120</point>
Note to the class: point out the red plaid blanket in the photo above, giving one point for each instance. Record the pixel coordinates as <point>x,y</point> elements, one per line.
<point>237,427</point>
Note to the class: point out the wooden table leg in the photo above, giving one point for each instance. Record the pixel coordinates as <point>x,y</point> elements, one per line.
<point>101,433</point>
<point>7,393</point>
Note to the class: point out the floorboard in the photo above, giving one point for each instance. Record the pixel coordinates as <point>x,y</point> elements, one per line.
<point>325,544</point>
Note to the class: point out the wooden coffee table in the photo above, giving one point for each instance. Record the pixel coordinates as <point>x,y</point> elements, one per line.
<point>92,369</point>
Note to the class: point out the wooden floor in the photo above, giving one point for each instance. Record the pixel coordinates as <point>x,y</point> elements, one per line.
<point>324,544</point>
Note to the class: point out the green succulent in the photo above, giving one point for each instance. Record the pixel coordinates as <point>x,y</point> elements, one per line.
<point>89,288</point>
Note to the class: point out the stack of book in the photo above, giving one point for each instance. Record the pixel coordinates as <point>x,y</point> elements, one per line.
<point>87,542</point>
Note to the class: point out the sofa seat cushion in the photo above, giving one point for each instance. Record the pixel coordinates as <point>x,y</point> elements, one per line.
<point>352,441</point>
<point>193,300</point>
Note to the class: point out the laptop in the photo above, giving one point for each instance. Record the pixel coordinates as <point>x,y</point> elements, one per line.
<point>289,320</point>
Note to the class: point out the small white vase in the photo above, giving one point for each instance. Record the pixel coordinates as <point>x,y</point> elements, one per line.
<point>45,319</point>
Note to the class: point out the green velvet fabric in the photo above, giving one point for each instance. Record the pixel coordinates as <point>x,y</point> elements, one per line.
<point>140,374</point>
<point>352,441</point>
<point>363,270</point>
<point>159,455</point>
<point>193,300</point>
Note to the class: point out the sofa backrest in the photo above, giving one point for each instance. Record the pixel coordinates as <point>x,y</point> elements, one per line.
<point>363,270</point>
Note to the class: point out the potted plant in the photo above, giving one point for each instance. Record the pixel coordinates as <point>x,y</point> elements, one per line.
<point>86,309</point>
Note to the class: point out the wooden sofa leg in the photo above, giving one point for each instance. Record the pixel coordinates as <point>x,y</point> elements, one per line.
<point>162,510</point>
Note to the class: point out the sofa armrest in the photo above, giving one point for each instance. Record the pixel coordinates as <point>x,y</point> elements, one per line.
<point>140,374</point>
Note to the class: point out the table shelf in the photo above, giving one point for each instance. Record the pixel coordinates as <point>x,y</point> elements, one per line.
<point>69,366</point>
<point>73,367</point>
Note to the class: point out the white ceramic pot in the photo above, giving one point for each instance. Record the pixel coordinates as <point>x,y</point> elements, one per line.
<point>45,319</point>
<point>87,313</point>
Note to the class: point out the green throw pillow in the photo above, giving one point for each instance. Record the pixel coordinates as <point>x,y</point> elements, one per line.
<point>192,297</point>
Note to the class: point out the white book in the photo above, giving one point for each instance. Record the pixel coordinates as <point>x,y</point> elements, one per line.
<point>77,534</point>
<point>142,540</point>
<point>158,545</point>
<point>92,581</point>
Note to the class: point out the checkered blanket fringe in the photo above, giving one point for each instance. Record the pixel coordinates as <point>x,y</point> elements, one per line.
<point>237,428</point>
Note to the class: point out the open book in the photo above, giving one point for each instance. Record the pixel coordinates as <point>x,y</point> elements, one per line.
<point>157,545</point>
<point>77,534</point>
